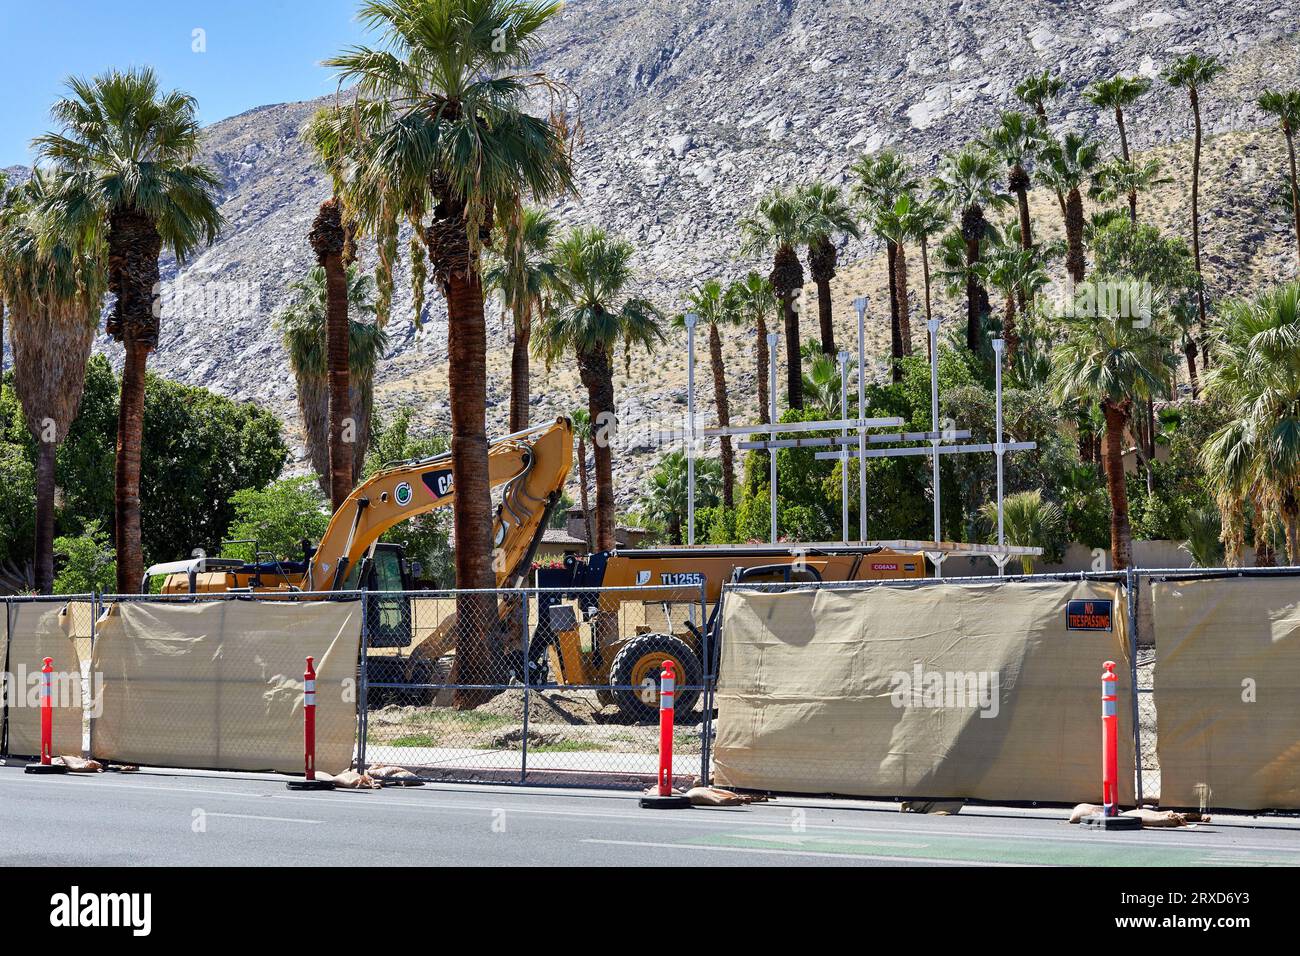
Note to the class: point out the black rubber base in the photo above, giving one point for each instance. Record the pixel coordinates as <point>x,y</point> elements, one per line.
<point>1100,822</point>
<point>678,801</point>
<point>45,768</point>
<point>310,784</point>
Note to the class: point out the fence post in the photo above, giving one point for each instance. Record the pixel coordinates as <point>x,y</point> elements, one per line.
<point>528,680</point>
<point>363,681</point>
<point>710,679</point>
<point>1133,581</point>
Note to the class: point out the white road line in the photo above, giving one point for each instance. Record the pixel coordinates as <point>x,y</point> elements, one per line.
<point>1176,836</point>
<point>250,816</point>
<point>881,858</point>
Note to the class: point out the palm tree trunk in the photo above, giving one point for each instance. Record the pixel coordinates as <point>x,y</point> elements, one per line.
<point>900,290</point>
<point>1026,228</point>
<point>1295,195</point>
<point>826,325</point>
<point>329,241</point>
<point>1196,212</point>
<point>895,332</point>
<point>763,371</point>
<point>456,270</point>
<point>821,263</point>
<point>598,377</point>
<point>1121,545</point>
<point>583,496</point>
<point>126,470</point>
<point>342,428</point>
<point>1074,261</point>
<point>134,246</point>
<point>793,362</point>
<point>973,297</point>
<point>724,413</point>
<point>44,546</point>
<point>1009,334</point>
<point>925,272</point>
<point>519,366</point>
<point>1190,351</point>
<point>1265,556</point>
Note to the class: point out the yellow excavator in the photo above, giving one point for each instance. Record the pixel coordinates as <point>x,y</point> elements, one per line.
<point>580,636</point>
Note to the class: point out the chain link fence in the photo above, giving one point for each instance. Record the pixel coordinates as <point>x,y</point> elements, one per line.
<point>542,686</point>
<point>534,685</point>
<point>35,627</point>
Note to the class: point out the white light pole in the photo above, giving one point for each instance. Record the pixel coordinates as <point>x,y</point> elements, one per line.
<point>933,326</point>
<point>860,304</point>
<point>691,320</point>
<point>999,449</point>
<point>844,448</point>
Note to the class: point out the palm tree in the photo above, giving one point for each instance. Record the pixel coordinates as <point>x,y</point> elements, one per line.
<point>448,135</point>
<point>1110,361</point>
<point>881,179</point>
<point>897,224</point>
<point>1037,90</point>
<point>54,296</point>
<point>754,302</point>
<point>927,221</point>
<point>1121,178</point>
<point>1201,529</point>
<point>1016,140</point>
<point>1255,455</point>
<point>967,183</point>
<point>826,214</point>
<point>1028,520</point>
<point>777,225</point>
<point>4,200</point>
<point>667,501</point>
<point>1018,275</point>
<point>1286,107</point>
<point>523,273</point>
<point>593,314</point>
<point>303,326</point>
<point>1069,164</point>
<point>1118,93</point>
<point>328,238</point>
<point>821,384</point>
<point>128,176</point>
<point>715,309</point>
<point>1190,73</point>
<point>581,421</point>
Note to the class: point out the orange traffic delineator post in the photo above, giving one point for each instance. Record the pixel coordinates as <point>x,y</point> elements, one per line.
<point>664,798</point>
<point>47,764</point>
<point>309,780</point>
<point>1110,818</point>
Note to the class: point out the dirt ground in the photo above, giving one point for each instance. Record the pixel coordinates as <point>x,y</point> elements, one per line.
<point>565,720</point>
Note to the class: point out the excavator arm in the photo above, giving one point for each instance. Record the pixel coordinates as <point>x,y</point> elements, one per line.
<point>532,465</point>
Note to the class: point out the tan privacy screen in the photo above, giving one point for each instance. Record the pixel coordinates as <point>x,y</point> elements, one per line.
<point>219,684</point>
<point>1227,692</point>
<point>819,692</point>
<point>38,630</point>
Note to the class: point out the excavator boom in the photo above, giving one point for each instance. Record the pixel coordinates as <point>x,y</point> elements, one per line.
<point>532,465</point>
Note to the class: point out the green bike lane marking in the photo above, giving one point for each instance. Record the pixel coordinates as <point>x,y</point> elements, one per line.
<point>1056,852</point>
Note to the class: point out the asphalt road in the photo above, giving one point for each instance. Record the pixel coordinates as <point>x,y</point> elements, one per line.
<point>195,819</point>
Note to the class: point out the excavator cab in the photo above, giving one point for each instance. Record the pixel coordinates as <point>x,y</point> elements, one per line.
<point>386,573</point>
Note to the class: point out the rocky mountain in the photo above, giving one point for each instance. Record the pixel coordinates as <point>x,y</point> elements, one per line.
<point>690,108</point>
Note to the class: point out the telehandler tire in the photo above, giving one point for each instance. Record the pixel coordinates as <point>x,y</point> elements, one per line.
<point>638,665</point>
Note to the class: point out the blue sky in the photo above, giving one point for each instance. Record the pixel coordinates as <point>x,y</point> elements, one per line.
<point>258,52</point>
